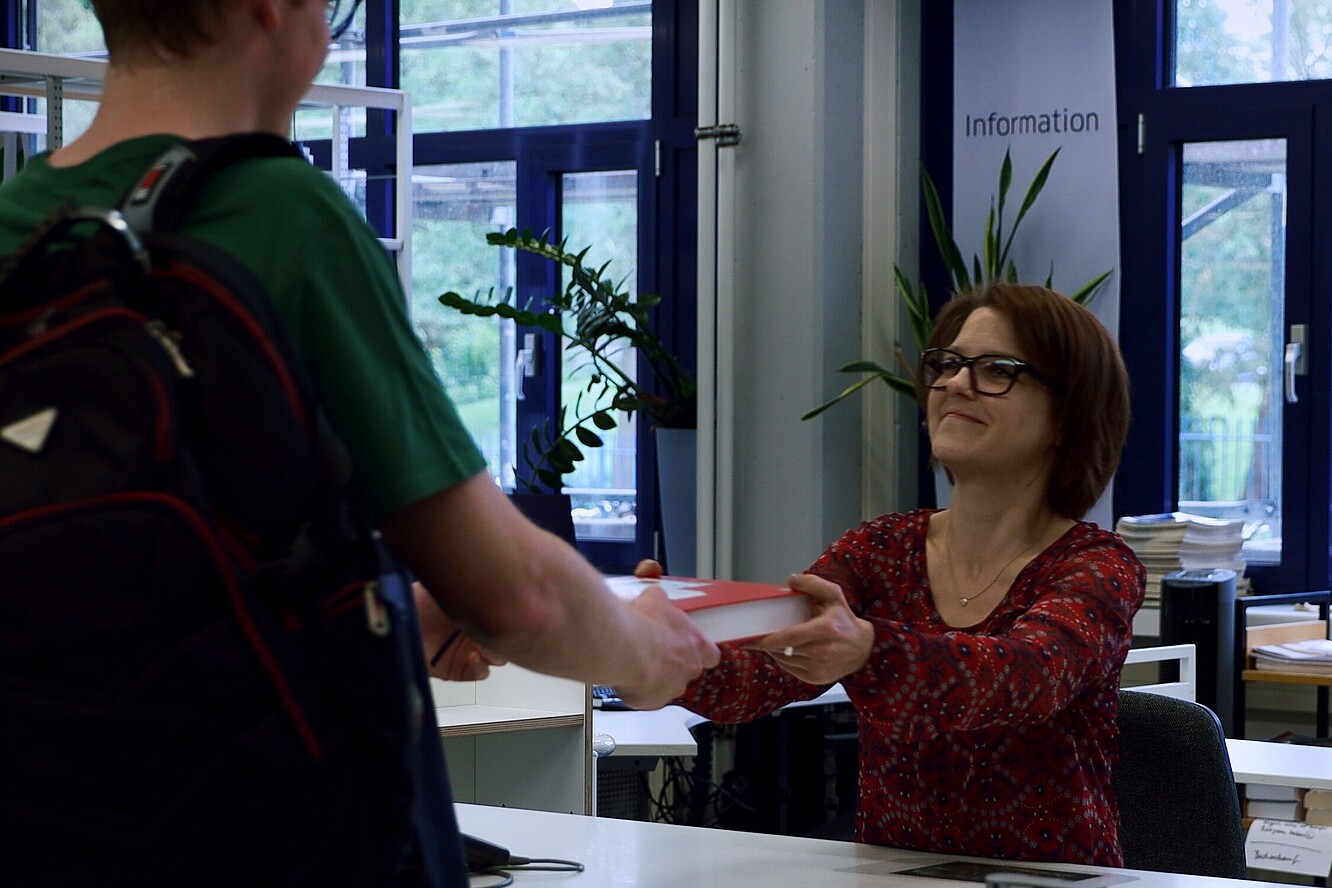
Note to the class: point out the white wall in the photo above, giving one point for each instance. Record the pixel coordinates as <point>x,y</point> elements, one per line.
<point>890,423</point>
<point>808,228</point>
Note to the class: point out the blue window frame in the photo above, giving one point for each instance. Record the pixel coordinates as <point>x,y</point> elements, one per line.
<point>661,149</point>
<point>663,152</point>
<point>1155,179</point>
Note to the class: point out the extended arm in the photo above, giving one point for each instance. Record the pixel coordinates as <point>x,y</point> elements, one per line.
<point>528,597</point>
<point>1072,636</point>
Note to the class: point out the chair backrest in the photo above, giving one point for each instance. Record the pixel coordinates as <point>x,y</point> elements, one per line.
<point>1179,808</point>
<point>1186,655</point>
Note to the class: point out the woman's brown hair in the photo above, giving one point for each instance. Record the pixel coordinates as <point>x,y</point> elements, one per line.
<point>1079,360</point>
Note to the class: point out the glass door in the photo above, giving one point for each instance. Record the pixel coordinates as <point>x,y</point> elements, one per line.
<point>508,381</point>
<point>456,205</point>
<point>595,199</point>
<point>1234,382</point>
<point>537,116</point>
<point>1241,338</point>
<point>599,211</point>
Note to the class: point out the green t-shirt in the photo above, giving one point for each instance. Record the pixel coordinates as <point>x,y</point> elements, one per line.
<point>331,280</point>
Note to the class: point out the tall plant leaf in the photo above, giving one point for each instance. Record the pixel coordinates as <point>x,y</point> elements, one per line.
<point>1033,191</point>
<point>943,237</point>
<point>994,264</point>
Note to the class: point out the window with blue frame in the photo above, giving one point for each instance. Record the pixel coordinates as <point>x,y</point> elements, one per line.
<point>1226,253</point>
<point>569,116</point>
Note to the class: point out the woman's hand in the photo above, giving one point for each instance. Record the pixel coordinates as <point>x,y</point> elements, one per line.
<point>450,654</point>
<point>830,645</point>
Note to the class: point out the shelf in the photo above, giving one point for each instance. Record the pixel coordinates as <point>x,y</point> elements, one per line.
<point>1280,764</point>
<point>466,721</point>
<point>518,738</point>
<point>1302,678</point>
<point>1281,633</point>
<point>59,78</point>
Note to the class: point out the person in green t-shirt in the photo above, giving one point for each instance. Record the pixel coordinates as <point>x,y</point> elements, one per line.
<point>489,578</point>
<point>198,68</point>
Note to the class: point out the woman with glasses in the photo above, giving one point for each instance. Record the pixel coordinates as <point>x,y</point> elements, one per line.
<point>981,644</point>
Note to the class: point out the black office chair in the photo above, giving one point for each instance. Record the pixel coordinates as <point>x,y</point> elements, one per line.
<point>1179,809</point>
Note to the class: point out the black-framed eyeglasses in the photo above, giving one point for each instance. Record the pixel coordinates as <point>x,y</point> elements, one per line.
<point>991,375</point>
<point>340,15</point>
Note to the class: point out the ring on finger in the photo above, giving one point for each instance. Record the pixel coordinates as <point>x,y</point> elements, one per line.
<point>788,651</point>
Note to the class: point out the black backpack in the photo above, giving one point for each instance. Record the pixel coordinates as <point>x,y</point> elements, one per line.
<point>209,678</point>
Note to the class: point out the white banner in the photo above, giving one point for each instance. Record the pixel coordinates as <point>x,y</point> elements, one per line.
<point>1030,77</point>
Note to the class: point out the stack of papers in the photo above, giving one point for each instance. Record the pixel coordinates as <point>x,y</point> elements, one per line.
<point>1318,807</point>
<point>1172,541</point>
<point>1210,543</point>
<point>1155,539</point>
<point>1312,656</point>
<point>1273,802</point>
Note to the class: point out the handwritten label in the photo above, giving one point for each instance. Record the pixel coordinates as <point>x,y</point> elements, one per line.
<point>1288,846</point>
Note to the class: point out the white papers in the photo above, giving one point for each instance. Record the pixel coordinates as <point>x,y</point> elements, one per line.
<point>1309,649</point>
<point>1313,656</point>
<point>1172,541</point>
<point>1289,847</point>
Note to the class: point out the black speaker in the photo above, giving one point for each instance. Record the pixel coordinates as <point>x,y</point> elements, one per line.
<point>1198,608</point>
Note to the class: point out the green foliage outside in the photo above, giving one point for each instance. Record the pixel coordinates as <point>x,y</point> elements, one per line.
<point>581,80</point>
<point>449,254</point>
<point>1230,279</point>
<point>1208,53</point>
<point>1226,269</point>
<point>611,329</point>
<point>1227,376</point>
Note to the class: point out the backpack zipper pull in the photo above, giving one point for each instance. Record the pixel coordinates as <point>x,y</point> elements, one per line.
<point>376,615</point>
<point>158,330</point>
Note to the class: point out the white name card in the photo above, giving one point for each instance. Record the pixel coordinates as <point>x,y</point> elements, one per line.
<point>1288,846</point>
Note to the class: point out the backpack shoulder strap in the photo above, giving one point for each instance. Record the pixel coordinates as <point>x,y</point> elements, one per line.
<point>158,201</point>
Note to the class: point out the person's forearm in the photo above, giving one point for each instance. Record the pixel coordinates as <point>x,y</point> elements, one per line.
<point>518,591</point>
<point>561,618</point>
<point>529,597</point>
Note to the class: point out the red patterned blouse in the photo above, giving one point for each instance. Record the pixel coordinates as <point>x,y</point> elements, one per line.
<point>996,740</point>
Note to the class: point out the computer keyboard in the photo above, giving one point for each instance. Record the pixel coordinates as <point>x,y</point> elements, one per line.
<point>607,698</point>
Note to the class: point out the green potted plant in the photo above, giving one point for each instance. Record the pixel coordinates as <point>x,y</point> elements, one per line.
<point>994,264</point>
<point>611,328</point>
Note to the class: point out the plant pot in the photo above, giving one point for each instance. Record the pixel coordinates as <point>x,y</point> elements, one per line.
<point>549,511</point>
<point>677,494</point>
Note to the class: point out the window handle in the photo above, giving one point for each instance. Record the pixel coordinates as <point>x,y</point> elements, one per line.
<point>1295,362</point>
<point>526,361</point>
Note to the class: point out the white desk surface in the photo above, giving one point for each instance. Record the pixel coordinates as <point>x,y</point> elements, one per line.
<point>1281,764</point>
<point>666,732</point>
<point>658,855</point>
<point>662,731</point>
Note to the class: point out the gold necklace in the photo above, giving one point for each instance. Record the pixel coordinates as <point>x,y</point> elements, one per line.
<point>965,600</point>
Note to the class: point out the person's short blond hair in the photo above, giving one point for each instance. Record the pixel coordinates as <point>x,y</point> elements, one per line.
<point>1080,362</point>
